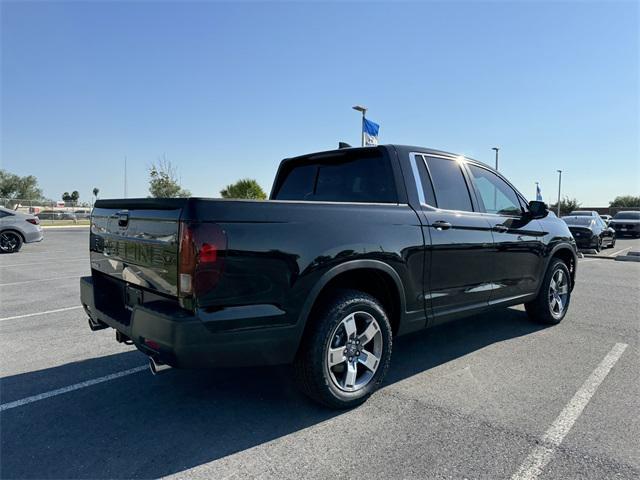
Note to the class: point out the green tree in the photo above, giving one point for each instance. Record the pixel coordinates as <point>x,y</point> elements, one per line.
<point>66,197</point>
<point>15,187</point>
<point>96,191</point>
<point>245,188</point>
<point>75,195</point>
<point>625,201</point>
<point>567,205</point>
<point>163,181</point>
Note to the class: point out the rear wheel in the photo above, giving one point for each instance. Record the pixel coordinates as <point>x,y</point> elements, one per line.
<point>346,352</point>
<point>10,242</point>
<point>552,302</point>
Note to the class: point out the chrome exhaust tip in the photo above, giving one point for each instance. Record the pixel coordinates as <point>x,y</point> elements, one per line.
<point>157,367</point>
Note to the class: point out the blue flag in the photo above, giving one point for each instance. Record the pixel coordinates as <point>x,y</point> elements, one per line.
<point>538,193</point>
<point>370,132</point>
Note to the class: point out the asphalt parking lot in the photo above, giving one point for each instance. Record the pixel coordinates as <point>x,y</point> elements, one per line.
<point>479,398</point>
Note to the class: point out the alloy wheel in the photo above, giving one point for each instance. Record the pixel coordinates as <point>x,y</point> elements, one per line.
<point>558,293</point>
<point>354,352</point>
<point>8,241</point>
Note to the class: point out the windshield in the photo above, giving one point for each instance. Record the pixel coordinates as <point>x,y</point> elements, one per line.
<point>582,214</point>
<point>578,221</point>
<point>627,216</point>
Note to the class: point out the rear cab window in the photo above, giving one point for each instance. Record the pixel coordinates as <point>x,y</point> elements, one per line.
<point>362,175</point>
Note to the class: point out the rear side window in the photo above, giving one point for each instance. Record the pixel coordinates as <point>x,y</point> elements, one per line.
<point>449,184</point>
<point>344,177</point>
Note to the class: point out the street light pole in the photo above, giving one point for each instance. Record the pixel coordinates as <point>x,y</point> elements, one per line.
<point>559,186</point>
<point>496,150</point>
<point>362,109</point>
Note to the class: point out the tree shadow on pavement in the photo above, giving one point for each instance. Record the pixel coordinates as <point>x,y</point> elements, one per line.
<point>140,426</point>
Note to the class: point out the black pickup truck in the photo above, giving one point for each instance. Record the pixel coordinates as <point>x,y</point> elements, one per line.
<point>354,247</point>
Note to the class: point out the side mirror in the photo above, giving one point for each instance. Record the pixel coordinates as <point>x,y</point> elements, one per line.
<point>538,209</point>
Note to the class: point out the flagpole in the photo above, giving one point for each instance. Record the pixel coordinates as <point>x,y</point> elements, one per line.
<point>362,109</point>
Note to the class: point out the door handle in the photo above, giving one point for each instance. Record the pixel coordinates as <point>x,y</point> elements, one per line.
<point>500,228</point>
<point>441,225</point>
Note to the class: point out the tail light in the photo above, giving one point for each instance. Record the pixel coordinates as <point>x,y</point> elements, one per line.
<point>33,221</point>
<point>201,259</point>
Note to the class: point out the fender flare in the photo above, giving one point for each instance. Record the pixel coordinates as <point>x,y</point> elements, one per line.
<point>345,267</point>
<point>556,249</point>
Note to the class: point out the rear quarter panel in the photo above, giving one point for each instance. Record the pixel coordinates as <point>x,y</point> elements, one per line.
<point>277,250</point>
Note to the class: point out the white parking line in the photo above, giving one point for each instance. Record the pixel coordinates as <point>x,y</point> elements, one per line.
<point>39,280</point>
<point>618,252</point>
<point>542,454</point>
<point>71,388</point>
<point>77,259</point>
<point>66,309</point>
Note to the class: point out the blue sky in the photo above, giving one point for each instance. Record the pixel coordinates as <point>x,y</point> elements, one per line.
<point>226,90</point>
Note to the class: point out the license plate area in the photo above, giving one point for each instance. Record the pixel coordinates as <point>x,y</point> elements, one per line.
<point>109,296</point>
<point>132,297</point>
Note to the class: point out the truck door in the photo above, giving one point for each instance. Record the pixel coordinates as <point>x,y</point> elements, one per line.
<point>461,248</point>
<point>518,238</point>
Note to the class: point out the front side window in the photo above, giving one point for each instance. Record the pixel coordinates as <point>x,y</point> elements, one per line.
<point>449,184</point>
<point>344,177</point>
<point>496,194</point>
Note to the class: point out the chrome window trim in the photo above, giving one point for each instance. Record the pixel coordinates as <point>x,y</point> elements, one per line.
<point>416,177</point>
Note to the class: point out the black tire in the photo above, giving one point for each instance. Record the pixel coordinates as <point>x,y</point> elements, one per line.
<point>613,242</point>
<point>10,242</point>
<point>540,309</point>
<point>598,245</point>
<point>311,369</point>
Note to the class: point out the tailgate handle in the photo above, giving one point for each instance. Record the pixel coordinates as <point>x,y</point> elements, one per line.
<point>123,219</point>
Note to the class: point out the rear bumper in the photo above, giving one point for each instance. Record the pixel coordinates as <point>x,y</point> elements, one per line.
<point>585,242</point>
<point>622,230</point>
<point>202,340</point>
<point>34,235</point>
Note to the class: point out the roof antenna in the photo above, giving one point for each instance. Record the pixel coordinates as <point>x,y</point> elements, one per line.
<point>343,145</point>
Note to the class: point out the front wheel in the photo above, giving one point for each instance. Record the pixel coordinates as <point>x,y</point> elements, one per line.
<point>10,242</point>
<point>346,351</point>
<point>552,302</point>
<point>598,245</point>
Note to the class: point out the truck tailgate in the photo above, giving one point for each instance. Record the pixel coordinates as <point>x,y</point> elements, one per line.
<point>137,241</point>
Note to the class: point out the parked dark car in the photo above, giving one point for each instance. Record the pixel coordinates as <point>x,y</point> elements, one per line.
<point>626,223</point>
<point>354,247</point>
<point>591,233</point>
<point>56,215</point>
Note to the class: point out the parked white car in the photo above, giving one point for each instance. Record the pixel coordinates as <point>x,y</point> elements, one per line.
<point>17,228</point>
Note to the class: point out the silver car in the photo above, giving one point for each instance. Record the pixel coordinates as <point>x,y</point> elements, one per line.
<point>17,228</point>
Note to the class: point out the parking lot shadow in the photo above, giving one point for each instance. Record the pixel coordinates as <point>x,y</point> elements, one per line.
<point>140,426</point>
